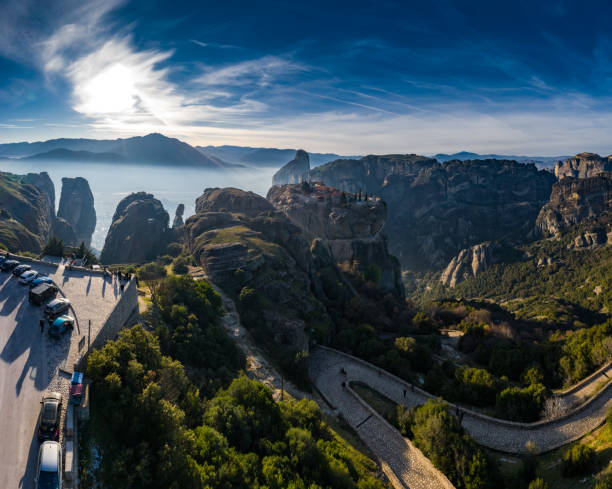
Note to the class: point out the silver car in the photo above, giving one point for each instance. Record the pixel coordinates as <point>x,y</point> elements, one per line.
<point>49,468</point>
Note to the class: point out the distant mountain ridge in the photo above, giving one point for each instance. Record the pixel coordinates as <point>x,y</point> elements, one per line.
<point>153,149</point>
<point>541,162</point>
<point>265,156</point>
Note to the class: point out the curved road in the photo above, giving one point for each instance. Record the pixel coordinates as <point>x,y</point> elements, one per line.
<point>494,433</point>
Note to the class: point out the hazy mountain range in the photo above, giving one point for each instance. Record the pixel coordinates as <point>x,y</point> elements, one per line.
<point>246,155</point>
<point>158,149</point>
<point>540,161</point>
<point>150,149</point>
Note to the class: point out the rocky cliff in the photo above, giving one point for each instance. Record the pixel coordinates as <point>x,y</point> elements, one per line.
<point>178,222</point>
<point>573,200</point>
<point>583,165</point>
<point>139,230</point>
<point>296,171</point>
<point>244,244</point>
<point>26,211</point>
<point>352,229</point>
<point>76,207</point>
<point>470,262</point>
<point>436,210</point>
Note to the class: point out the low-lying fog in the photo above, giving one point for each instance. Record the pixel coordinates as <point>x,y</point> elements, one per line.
<point>172,186</point>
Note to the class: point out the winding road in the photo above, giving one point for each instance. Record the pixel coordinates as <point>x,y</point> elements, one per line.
<point>494,433</point>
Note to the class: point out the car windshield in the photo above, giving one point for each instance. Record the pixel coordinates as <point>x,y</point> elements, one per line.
<point>48,480</point>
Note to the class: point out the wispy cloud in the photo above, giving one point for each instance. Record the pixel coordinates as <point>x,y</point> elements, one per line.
<point>258,72</point>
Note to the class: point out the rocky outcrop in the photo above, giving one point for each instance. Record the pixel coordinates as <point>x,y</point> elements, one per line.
<point>574,200</point>
<point>591,239</point>
<point>470,262</point>
<point>296,171</point>
<point>232,200</point>
<point>436,210</point>
<point>583,165</point>
<point>139,231</point>
<point>63,230</point>
<point>243,243</point>
<point>178,223</point>
<point>352,229</point>
<point>26,211</point>
<point>76,207</point>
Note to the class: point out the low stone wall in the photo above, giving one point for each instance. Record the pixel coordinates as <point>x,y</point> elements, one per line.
<point>489,419</point>
<point>123,310</point>
<point>29,259</point>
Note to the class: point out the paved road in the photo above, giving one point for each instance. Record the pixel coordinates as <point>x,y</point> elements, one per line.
<point>497,434</point>
<point>29,362</point>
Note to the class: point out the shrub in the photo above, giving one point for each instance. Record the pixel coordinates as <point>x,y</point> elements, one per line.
<point>538,484</point>
<point>55,247</point>
<point>174,249</point>
<point>180,265</point>
<point>604,482</point>
<point>518,404</point>
<point>577,460</point>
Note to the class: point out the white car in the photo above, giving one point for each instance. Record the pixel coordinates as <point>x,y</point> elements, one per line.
<point>49,469</point>
<point>26,277</point>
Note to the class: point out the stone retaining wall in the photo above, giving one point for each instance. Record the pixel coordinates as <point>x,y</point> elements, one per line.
<point>123,310</point>
<point>475,414</point>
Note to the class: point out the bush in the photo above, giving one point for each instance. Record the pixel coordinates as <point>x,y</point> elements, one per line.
<point>518,404</point>
<point>604,482</point>
<point>174,249</point>
<point>165,259</point>
<point>55,247</point>
<point>151,271</point>
<point>180,265</point>
<point>577,460</point>
<point>538,484</point>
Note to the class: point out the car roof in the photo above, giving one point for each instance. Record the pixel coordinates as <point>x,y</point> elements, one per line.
<point>30,272</point>
<point>49,456</point>
<point>59,300</point>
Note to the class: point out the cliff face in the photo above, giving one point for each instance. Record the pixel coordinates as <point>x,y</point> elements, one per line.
<point>139,231</point>
<point>435,210</point>
<point>583,165</point>
<point>470,262</point>
<point>76,207</point>
<point>352,229</point>
<point>573,200</point>
<point>241,241</point>
<point>178,217</point>
<point>296,171</point>
<point>26,211</point>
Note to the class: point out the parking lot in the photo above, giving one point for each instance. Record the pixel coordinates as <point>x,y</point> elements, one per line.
<point>32,362</point>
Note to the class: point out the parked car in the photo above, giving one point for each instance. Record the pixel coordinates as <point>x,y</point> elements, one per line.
<point>56,307</point>
<point>41,279</point>
<point>49,468</point>
<point>26,278</point>
<point>60,325</point>
<point>76,388</point>
<point>42,293</point>
<point>49,417</point>
<point>19,269</point>
<point>8,265</point>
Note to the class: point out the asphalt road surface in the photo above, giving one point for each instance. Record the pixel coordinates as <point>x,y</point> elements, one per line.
<point>25,374</point>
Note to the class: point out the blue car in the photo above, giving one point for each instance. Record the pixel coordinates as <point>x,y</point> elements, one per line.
<point>61,325</point>
<point>40,280</point>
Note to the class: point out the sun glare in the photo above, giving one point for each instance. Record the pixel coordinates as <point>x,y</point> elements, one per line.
<point>111,91</point>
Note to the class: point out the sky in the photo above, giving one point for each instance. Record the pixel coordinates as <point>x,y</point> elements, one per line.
<point>513,77</point>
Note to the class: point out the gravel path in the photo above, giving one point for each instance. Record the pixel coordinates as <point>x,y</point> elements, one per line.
<point>497,434</point>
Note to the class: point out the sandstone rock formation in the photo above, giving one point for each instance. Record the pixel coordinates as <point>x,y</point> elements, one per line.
<point>435,210</point>
<point>591,239</point>
<point>583,165</point>
<point>296,171</point>
<point>352,228</point>
<point>139,230</point>
<point>241,241</point>
<point>63,230</point>
<point>573,200</point>
<point>26,211</point>
<point>470,262</point>
<point>76,207</point>
<point>178,217</point>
